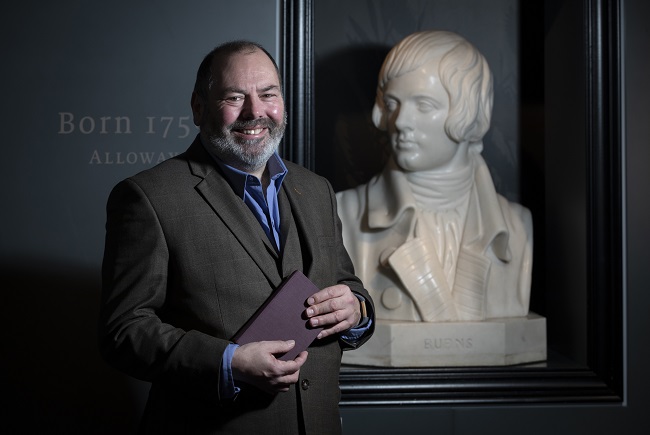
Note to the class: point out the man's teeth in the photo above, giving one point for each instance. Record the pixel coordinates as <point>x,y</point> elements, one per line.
<point>256,131</point>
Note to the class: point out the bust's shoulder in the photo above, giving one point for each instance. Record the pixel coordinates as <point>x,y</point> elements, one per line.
<point>518,217</point>
<point>352,202</point>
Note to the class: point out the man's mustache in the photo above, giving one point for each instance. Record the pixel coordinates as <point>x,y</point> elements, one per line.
<point>249,124</point>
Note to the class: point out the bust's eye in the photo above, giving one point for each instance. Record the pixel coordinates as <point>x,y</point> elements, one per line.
<point>391,105</point>
<point>427,105</point>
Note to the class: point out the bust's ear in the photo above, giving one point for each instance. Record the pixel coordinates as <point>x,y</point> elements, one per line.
<point>379,117</point>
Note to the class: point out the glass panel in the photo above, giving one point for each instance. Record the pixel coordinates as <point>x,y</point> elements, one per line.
<point>544,150</point>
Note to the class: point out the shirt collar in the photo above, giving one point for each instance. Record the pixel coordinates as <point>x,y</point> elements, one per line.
<point>240,180</point>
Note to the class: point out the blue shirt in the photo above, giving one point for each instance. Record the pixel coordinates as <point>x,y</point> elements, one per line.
<point>264,205</point>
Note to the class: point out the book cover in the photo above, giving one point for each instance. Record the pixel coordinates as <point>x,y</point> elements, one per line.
<point>281,317</point>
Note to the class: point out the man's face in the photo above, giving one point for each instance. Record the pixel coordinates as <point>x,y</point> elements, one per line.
<point>417,106</point>
<point>243,117</point>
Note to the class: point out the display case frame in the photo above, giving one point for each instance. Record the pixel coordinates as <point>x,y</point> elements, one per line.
<point>572,131</point>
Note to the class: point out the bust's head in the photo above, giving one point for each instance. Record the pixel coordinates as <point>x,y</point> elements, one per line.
<point>441,86</point>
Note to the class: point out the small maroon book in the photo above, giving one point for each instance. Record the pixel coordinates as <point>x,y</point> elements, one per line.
<point>281,317</point>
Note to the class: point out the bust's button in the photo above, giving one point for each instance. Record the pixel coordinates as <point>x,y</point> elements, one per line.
<point>391,298</point>
<point>304,384</point>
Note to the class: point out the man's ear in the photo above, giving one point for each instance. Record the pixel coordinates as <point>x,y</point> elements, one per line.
<point>379,117</point>
<point>198,108</point>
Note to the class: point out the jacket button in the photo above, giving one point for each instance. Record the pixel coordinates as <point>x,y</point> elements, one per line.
<point>304,384</point>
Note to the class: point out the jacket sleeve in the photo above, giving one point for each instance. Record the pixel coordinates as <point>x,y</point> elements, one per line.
<point>347,276</point>
<point>132,336</point>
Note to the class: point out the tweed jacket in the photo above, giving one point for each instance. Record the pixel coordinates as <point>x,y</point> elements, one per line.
<point>185,266</point>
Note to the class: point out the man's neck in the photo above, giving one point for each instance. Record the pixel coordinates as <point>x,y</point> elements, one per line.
<point>261,173</point>
<point>263,176</point>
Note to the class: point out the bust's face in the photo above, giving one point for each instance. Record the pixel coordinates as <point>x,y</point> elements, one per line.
<point>417,107</point>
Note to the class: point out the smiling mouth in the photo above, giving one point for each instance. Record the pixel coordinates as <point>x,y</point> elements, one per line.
<point>254,131</point>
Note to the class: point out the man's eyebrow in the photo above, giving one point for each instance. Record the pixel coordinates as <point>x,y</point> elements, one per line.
<point>233,90</point>
<point>270,88</point>
<point>236,90</point>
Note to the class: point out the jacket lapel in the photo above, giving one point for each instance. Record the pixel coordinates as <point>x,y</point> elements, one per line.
<point>232,211</point>
<point>295,206</point>
<point>290,239</point>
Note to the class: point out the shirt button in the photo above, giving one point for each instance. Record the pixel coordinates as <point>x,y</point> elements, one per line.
<point>304,384</point>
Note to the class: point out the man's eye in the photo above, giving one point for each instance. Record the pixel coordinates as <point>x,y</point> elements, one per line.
<point>232,98</point>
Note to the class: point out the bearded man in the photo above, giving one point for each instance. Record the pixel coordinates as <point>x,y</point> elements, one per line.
<point>195,245</point>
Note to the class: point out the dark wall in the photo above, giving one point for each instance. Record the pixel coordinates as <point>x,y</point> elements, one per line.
<point>92,60</point>
<point>351,40</point>
<point>637,179</point>
<point>92,92</point>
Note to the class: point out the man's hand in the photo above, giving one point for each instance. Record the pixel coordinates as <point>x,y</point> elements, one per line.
<point>335,308</point>
<point>256,364</point>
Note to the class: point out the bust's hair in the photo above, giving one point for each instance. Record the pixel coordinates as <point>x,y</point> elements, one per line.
<point>463,71</point>
<point>204,77</point>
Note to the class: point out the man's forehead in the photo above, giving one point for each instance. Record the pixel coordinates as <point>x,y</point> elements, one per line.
<point>242,58</point>
<point>244,66</point>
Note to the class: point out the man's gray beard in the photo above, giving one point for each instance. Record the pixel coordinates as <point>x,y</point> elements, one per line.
<point>237,155</point>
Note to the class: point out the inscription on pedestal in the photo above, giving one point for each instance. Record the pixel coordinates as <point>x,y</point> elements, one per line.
<point>454,344</point>
<point>448,343</point>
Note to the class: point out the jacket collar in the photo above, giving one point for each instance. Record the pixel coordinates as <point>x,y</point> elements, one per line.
<point>217,192</point>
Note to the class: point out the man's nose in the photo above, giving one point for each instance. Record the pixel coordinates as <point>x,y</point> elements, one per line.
<point>252,107</point>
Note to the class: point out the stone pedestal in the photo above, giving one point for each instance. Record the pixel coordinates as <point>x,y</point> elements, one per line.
<point>493,342</point>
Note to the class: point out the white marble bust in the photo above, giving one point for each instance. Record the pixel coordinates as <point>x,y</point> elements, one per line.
<point>429,236</point>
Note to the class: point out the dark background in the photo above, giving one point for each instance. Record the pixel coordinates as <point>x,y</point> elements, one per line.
<point>90,59</point>
<point>127,59</point>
